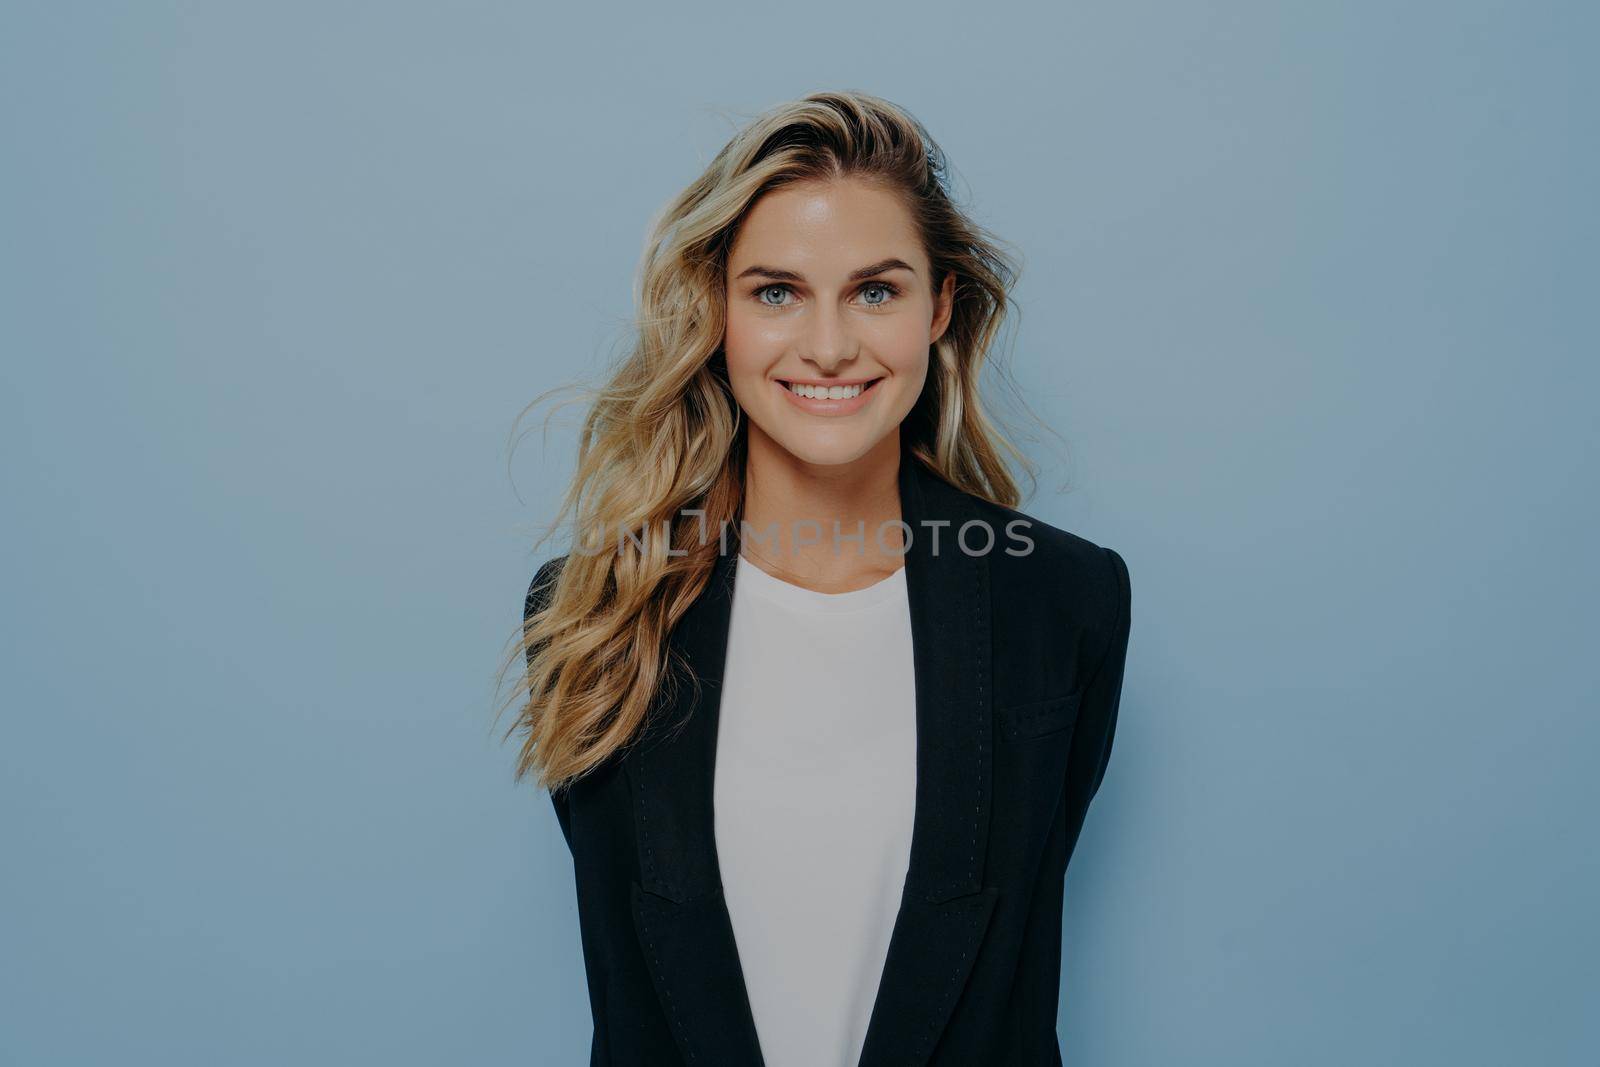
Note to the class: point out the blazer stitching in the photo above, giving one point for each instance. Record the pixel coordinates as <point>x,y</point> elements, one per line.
<point>947,1000</point>
<point>951,990</point>
<point>655,957</point>
<point>983,648</point>
<point>977,726</point>
<point>644,829</point>
<point>661,977</point>
<point>1025,717</point>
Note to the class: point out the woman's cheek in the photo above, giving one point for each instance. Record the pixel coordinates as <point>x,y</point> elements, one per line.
<point>747,345</point>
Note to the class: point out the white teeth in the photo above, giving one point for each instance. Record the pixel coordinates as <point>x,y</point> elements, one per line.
<point>826,392</point>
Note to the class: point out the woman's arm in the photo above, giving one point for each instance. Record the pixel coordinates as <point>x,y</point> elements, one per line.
<point>1097,712</point>
<point>536,600</point>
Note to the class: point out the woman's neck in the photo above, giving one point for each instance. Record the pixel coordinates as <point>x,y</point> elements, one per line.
<point>791,507</point>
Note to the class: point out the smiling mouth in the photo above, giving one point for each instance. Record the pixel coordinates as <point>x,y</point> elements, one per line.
<point>829,392</point>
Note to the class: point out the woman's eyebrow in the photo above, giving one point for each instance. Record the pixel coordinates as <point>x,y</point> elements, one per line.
<point>882,267</point>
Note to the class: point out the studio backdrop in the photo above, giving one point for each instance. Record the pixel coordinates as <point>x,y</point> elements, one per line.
<point>1307,304</point>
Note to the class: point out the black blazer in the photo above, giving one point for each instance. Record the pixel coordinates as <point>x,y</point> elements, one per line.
<point>1018,662</point>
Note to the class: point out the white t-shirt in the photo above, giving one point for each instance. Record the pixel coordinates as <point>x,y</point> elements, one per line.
<point>815,792</point>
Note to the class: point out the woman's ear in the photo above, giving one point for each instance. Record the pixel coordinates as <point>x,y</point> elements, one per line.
<point>943,305</point>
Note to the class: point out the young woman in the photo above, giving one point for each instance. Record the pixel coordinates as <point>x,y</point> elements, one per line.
<point>821,713</point>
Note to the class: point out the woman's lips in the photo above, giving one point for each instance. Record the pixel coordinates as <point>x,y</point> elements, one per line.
<point>845,406</point>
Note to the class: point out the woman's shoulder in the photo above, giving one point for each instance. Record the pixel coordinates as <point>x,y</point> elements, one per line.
<point>539,589</point>
<point>1030,554</point>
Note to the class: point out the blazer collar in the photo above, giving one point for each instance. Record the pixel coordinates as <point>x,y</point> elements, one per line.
<point>679,909</point>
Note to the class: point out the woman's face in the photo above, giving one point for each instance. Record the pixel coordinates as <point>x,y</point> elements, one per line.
<point>828,287</point>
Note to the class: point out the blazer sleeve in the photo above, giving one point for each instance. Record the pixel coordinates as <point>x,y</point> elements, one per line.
<point>538,597</point>
<point>1097,711</point>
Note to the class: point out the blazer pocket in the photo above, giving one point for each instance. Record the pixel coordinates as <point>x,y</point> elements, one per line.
<point>1039,718</point>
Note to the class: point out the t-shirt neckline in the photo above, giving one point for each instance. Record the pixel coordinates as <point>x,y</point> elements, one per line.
<point>752,578</point>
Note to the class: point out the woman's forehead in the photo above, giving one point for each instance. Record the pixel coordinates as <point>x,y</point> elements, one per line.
<point>825,230</point>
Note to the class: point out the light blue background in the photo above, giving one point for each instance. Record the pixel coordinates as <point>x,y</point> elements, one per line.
<point>1309,294</point>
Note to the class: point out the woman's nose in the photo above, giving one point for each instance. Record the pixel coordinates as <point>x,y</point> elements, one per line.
<point>828,341</point>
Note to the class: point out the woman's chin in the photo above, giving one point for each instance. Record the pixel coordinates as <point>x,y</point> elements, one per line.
<point>827,447</point>
<point>822,441</point>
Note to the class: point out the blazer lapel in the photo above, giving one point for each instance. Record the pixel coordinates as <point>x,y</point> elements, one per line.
<point>679,909</point>
<point>944,909</point>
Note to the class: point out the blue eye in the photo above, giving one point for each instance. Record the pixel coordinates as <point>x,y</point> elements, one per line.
<point>890,292</point>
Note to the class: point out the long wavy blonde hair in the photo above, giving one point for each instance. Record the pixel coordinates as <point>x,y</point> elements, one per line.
<point>663,435</point>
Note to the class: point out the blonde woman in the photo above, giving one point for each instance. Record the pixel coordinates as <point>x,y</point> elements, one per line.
<point>820,712</point>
